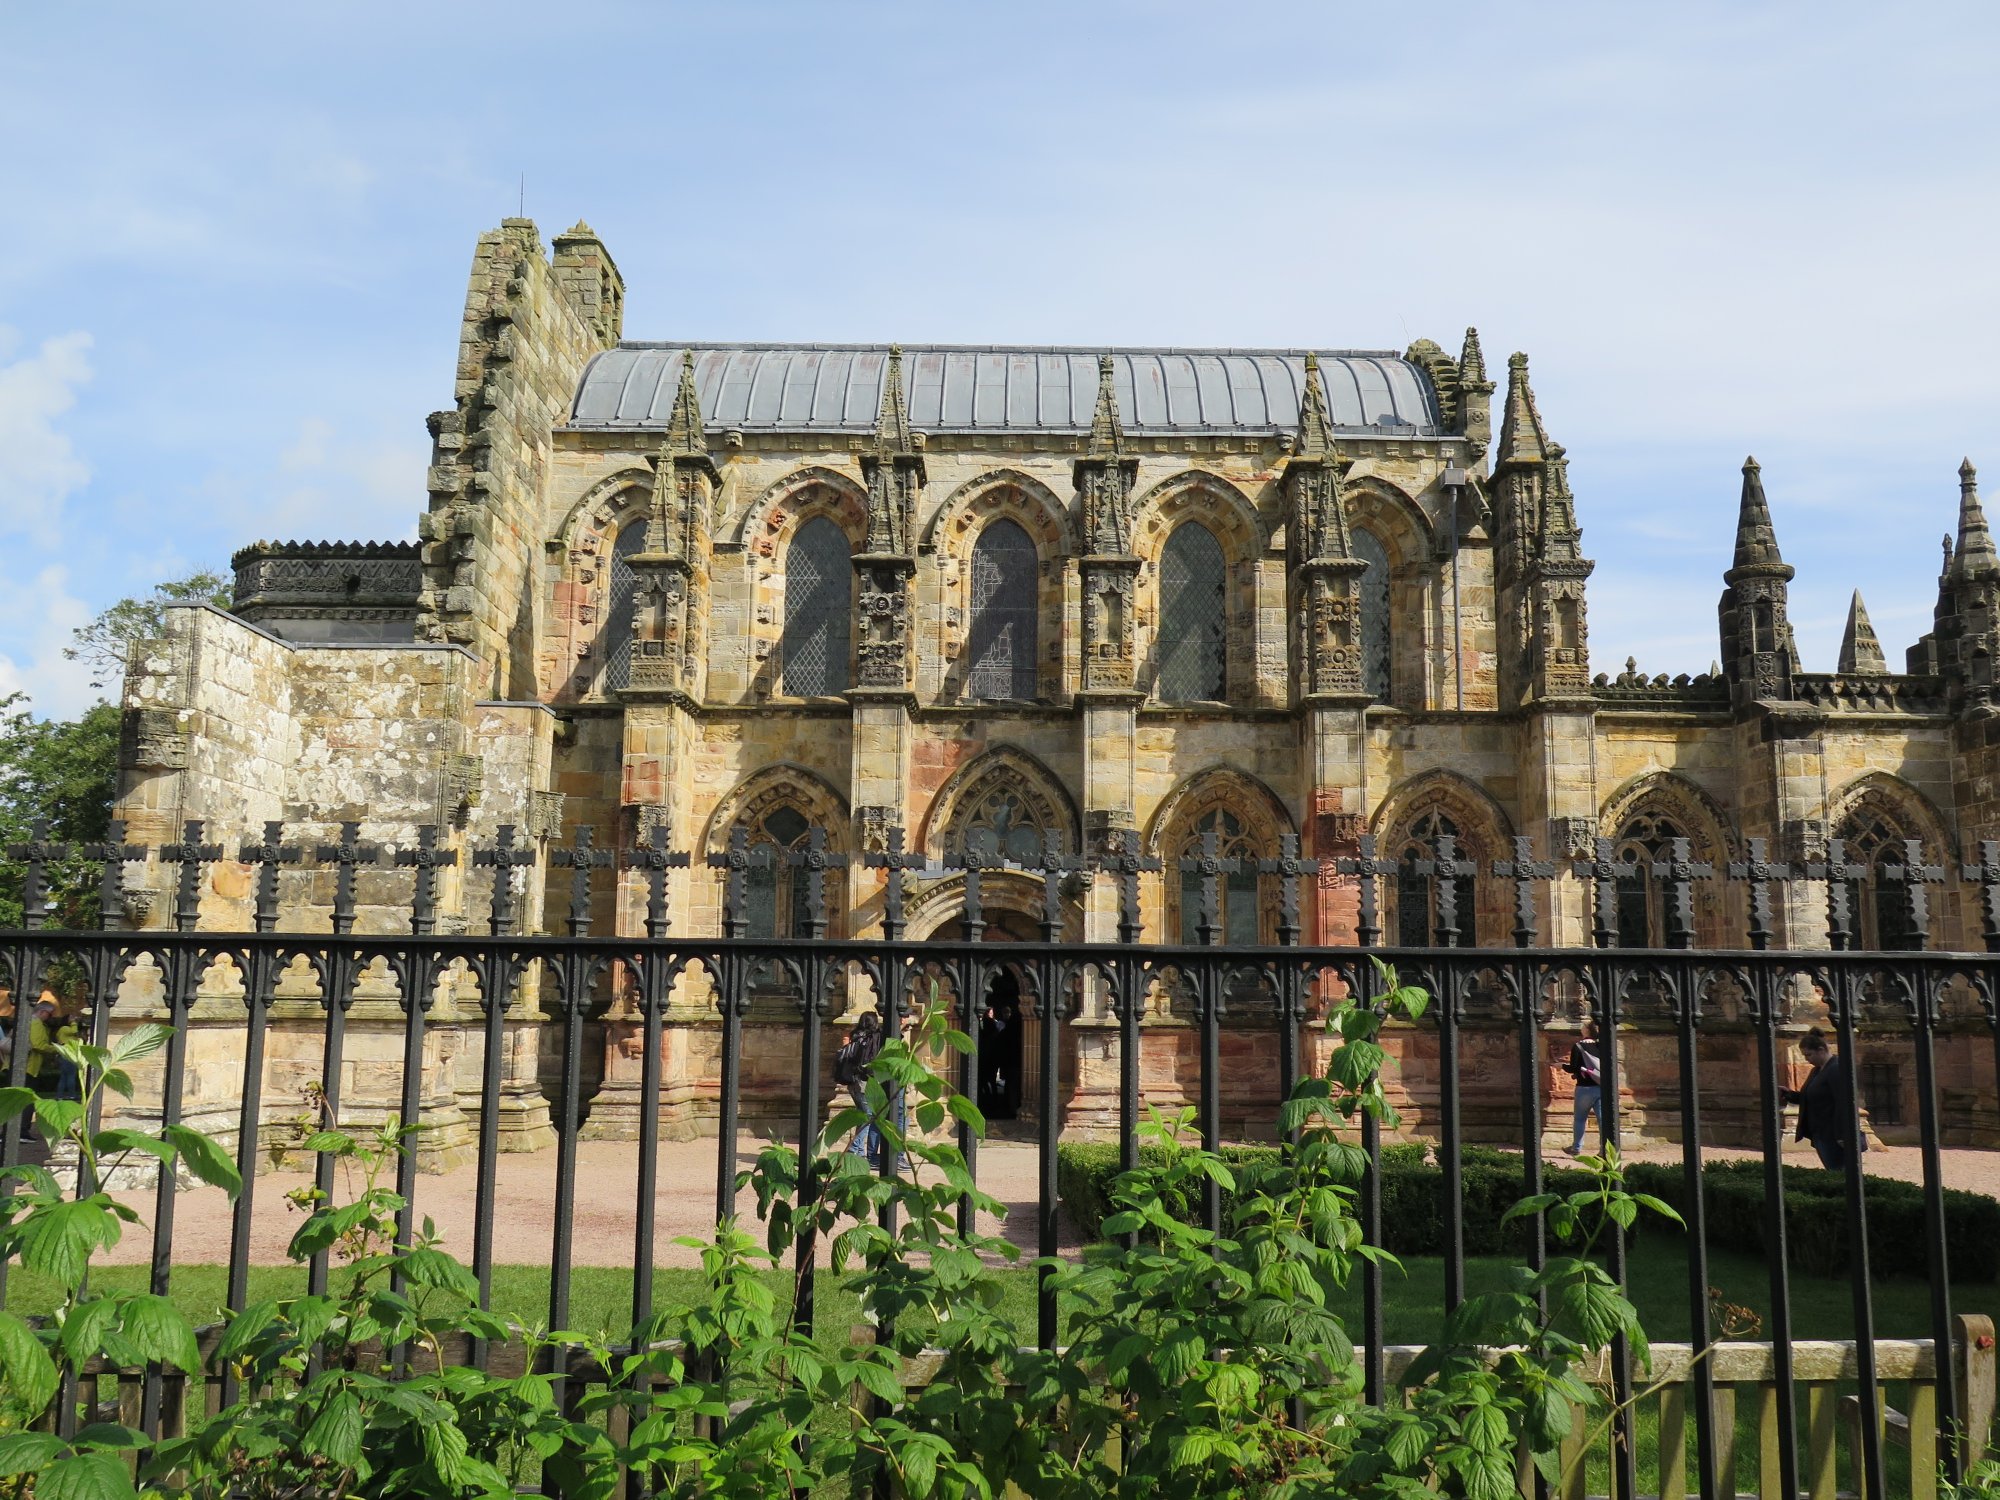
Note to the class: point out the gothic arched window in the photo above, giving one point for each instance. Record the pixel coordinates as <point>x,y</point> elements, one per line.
<point>819,587</point>
<point>999,825</point>
<point>618,612</point>
<point>1193,634</point>
<point>1416,888</point>
<point>775,896</point>
<point>1374,613</point>
<point>1001,646</point>
<point>1877,906</point>
<point>1237,921</point>
<point>1642,914</point>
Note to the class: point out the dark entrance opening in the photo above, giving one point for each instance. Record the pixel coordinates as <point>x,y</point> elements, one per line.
<point>1000,1050</point>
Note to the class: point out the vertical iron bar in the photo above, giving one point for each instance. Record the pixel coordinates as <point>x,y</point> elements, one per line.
<point>257,983</point>
<point>1624,1458</point>
<point>1767,984</point>
<point>184,975</point>
<point>1374,1339</point>
<point>1452,1148</point>
<point>1688,1019</point>
<point>654,980</point>
<point>1924,999</point>
<point>1857,1244</point>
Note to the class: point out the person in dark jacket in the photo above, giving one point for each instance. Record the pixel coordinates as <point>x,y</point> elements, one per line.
<point>850,1068</point>
<point>1825,1101</point>
<point>1586,1066</point>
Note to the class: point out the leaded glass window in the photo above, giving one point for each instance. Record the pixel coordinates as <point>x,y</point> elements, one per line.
<point>819,588</point>
<point>1237,920</point>
<point>775,902</point>
<point>618,613</point>
<point>1374,613</point>
<point>1641,900</point>
<point>1193,636</point>
<point>1416,891</point>
<point>1000,826</point>
<point>1000,649</point>
<point>1877,906</point>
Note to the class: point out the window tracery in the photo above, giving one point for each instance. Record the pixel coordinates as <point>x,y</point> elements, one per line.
<point>1193,633</point>
<point>1877,905</point>
<point>1239,919</point>
<point>819,586</point>
<point>618,621</point>
<point>1375,641</point>
<point>1416,888</point>
<point>1641,899</point>
<point>1001,644</point>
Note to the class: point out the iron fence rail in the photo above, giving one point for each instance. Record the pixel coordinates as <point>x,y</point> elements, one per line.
<point>1275,986</point>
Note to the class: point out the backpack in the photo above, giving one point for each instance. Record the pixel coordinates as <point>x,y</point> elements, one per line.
<point>847,1063</point>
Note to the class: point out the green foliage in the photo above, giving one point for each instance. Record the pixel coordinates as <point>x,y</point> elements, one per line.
<point>1492,1181</point>
<point>102,644</point>
<point>56,1233</point>
<point>63,772</point>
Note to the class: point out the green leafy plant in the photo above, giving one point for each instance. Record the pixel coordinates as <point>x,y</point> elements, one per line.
<point>56,1233</point>
<point>364,1391</point>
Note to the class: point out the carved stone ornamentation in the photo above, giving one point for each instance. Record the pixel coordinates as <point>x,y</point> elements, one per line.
<point>545,815</point>
<point>1805,840</point>
<point>155,739</point>
<point>872,823</point>
<point>1331,623</point>
<point>1574,838</point>
<point>882,655</point>
<point>458,793</point>
<point>1109,608</point>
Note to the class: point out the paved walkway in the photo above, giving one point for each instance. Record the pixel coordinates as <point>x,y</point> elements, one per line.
<point>607,1179</point>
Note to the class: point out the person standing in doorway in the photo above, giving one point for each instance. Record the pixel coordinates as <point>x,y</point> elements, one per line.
<point>1825,1101</point>
<point>1586,1066</point>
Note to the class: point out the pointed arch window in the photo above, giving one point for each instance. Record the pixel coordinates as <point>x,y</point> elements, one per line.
<point>1877,906</point>
<point>618,612</point>
<point>1238,919</point>
<point>1001,645</point>
<point>1193,635</point>
<point>819,587</point>
<point>775,899</point>
<point>1641,898</point>
<point>1416,890</point>
<point>999,825</point>
<point>1374,613</point>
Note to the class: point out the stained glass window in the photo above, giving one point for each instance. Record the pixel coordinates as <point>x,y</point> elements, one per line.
<point>819,587</point>
<point>1000,826</point>
<point>618,614</point>
<point>1416,892</point>
<point>1000,647</point>
<point>1374,613</point>
<point>1193,637</point>
<point>1237,920</point>
<point>1642,919</point>
<point>775,902</point>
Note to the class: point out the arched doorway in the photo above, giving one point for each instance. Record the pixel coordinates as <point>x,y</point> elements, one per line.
<point>1010,1033</point>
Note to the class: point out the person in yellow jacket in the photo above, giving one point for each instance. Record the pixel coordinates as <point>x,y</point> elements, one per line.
<point>48,1073</point>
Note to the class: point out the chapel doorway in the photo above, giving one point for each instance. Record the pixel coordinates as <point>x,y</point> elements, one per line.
<point>1010,1034</point>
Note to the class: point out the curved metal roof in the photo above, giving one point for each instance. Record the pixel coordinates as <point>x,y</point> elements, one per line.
<point>958,388</point>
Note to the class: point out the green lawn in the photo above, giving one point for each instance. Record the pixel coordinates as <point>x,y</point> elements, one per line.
<point>601,1305</point>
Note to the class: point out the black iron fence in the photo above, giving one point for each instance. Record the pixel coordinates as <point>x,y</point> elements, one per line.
<point>1935,1001</point>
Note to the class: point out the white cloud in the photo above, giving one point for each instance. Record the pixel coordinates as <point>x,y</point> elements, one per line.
<point>31,659</point>
<point>39,468</point>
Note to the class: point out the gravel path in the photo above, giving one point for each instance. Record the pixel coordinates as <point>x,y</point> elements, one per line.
<point>606,1201</point>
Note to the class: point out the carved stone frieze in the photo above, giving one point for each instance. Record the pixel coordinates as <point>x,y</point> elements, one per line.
<point>1805,840</point>
<point>1109,609</point>
<point>882,654</point>
<point>460,780</point>
<point>1574,838</point>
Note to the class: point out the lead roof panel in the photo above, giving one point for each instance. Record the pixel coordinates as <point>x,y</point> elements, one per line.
<point>958,388</point>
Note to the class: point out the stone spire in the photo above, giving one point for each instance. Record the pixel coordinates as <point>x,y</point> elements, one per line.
<point>1105,474</point>
<point>1107,433</point>
<point>1522,437</point>
<point>1756,541</point>
<point>1860,651</point>
<point>1315,438</point>
<point>892,424</point>
<point>894,470</point>
<point>1975,557</point>
<point>1471,360</point>
<point>685,438</point>
<point>1562,538</point>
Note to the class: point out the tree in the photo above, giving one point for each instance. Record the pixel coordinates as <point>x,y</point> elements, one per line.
<point>102,644</point>
<point>64,772</point>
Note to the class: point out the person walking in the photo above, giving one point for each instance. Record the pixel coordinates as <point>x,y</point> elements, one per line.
<point>1586,1066</point>
<point>1825,1101</point>
<point>858,1050</point>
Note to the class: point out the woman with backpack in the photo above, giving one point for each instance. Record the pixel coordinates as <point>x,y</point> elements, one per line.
<point>1586,1066</point>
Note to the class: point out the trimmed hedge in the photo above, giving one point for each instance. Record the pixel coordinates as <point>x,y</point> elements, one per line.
<point>1413,1207</point>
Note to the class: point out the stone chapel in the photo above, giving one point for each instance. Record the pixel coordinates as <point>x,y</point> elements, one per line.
<point>1003,597</point>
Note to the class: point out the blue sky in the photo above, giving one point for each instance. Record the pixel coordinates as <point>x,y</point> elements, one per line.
<point>236,237</point>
